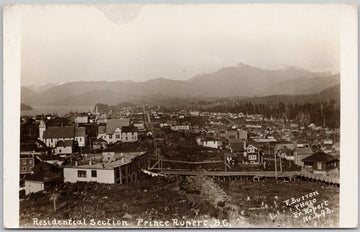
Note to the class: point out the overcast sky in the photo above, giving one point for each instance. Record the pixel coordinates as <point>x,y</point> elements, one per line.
<point>63,43</point>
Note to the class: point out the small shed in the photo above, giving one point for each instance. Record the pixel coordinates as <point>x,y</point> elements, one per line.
<point>320,163</point>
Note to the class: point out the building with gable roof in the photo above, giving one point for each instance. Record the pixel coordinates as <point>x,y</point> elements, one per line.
<point>111,133</point>
<point>52,135</point>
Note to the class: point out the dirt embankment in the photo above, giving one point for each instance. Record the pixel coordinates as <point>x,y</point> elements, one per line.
<point>239,203</point>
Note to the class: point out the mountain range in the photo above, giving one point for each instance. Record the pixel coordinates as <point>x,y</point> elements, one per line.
<point>240,81</point>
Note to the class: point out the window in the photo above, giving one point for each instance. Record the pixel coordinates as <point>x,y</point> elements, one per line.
<point>82,173</point>
<point>118,136</point>
<point>24,169</point>
<point>24,161</point>
<point>252,157</point>
<point>93,173</point>
<point>110,136</point>
<point>30,161</point>
<point>59,150</point>
<point>319,166</point>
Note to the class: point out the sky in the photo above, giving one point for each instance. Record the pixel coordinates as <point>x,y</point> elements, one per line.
<point>113,42</point>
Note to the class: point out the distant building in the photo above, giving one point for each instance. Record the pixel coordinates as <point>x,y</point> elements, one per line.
<point>80,135</point>
<point>64,147</point>
<point>54,134</point>
<point>300,154</point>
<point>236,134</point>
<point>253,155</point>
<point>27,163</point>
<point>99,144</point>
<point>129,134</point>
<point>82,118</point>
<point>284,144</point>
<point>238,147</point>
<point>180,127</point>
<point>210,142</point>
<point>111,133</point>
<point>113,169</point>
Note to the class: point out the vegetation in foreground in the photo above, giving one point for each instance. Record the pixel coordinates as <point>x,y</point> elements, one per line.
<point>241,203</point>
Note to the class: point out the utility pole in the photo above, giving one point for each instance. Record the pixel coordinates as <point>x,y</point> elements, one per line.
<point>275,165</point>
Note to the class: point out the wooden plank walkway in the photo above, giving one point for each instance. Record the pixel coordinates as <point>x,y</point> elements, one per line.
<point>256,175</point>
<point>326,179</point>
<point>229,174</point>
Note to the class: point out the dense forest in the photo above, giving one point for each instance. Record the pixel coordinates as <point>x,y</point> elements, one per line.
<point>322,113</point>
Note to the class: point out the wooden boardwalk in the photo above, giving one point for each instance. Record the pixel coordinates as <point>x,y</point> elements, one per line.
<point>255,175</point>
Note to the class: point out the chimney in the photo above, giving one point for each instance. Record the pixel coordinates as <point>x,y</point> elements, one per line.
<point>90,162</point>
<point>76,163</point>
<point>122,159</point>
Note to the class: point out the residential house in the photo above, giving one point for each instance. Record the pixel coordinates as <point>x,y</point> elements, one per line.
<point>253,155</point>
<point>111,133</point>
<point>45,177</point>
<point>238,147</point>
<point>99,144</point>
<point>180,127</point>
<point>82,118</point>
<point>54,134</point>
<point>234,135</point>
<point>320,163</point>
<point>64,147</point>
<point>27,164</point>
<point>211,142</point>
<point>80,136</point>
<point>129,134</point>
<point>112,169</point>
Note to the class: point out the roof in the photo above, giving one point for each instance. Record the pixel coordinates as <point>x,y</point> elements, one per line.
<point>112,124</point>
<point>66,143</point>
<point>128,158</point>
<point>44,172</point>
<point>126,129</point>
<point>239,146</point>
<point>101,129</point>
<point>319,157</point>
<point>99,140</point>
<point>59,132</point>
<point>80,131</point>
<point>304,151</point>
<point>254,143</point>
<point>83,114</point>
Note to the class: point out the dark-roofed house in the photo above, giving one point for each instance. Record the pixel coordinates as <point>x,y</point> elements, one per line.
<point>129,134</point>
<point>45,177</point>
<point>112,132</point>
<point>99,144</point>
<point>54,134</point>
<point>80,136</point>
<point>238,147</point>
<point>320,163</point>
<point>64,147</point>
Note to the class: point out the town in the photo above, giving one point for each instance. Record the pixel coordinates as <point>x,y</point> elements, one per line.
<point>131,144</point>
